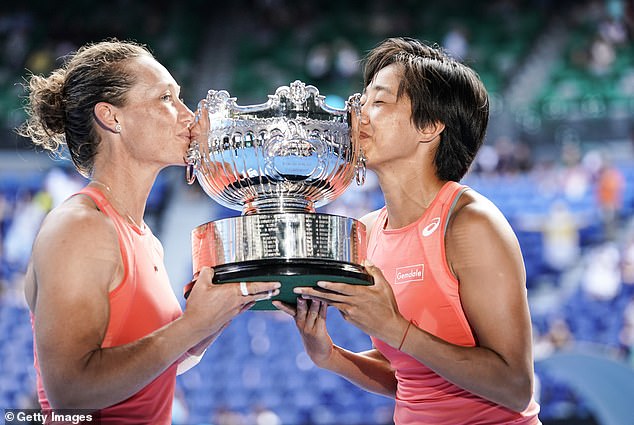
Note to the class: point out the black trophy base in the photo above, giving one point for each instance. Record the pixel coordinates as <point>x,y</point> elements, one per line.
<point>291,274</point>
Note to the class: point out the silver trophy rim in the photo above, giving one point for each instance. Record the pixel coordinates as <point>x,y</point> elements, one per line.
<point>221,169</point>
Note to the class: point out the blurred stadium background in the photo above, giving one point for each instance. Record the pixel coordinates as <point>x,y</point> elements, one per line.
<point>558,161</point>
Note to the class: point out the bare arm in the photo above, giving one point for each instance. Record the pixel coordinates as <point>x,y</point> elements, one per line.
<point>76,262</point>
<point>368,370</point>
<point>484,254</point>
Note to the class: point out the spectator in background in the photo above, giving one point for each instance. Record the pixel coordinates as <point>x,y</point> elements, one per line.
<point>15,30</point>
<point>487,160</point>
<point>557,337</point>
<point>260,415</point>
<point>577,171</point>
<point>30,209</point>
<point>505,148</point>
<point>523,157</point>
<point>609,195</point>
<point>103,312</point>
<point>628,18</point>
<point>602,274</point>
<point>346,59</point>
<point>601,56</point>
<point>560,234</point>
<point>504,157</point>
<point>626,334</point>
<point>456,42</point>
<point>62,182</point>
<point>319,62</point>
<point>225,416</point>
<point>613,26</point>
<point>613,31</point>
<point>627,262</point>
<point>561,237</point>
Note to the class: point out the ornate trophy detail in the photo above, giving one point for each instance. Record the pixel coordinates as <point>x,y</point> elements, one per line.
<point>276,162</point>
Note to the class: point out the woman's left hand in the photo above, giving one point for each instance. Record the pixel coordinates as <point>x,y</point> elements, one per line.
<point>373,308</point>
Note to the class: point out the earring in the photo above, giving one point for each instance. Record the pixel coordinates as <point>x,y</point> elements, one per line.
<point>117,128</point>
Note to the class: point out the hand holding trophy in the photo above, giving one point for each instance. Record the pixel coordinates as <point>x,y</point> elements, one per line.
<point>276,162</point>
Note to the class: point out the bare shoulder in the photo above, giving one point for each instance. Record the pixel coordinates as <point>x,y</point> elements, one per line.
<point>478,233</point>
<point>474,213</point>
<point>369,220</point>
<point>76,243</point>
<point>76,224</point>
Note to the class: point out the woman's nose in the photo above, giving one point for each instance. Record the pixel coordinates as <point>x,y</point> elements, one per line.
<point>190,114</point>
<point>363,116</point>
<point>185,111</point>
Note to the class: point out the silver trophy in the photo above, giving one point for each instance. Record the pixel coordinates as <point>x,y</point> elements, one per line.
<point>276,162</point>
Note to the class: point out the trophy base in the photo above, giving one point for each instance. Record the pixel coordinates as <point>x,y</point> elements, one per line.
<point>291,274</point>
<point>296,249</point>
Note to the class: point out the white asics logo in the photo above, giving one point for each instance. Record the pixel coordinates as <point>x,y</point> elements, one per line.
<point>431,227</point>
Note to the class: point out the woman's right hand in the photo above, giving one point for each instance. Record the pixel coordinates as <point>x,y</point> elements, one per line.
<point>211,306</point>
<point>310,318</point>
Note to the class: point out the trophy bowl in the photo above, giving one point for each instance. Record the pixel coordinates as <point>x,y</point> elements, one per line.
<point>276,162</point>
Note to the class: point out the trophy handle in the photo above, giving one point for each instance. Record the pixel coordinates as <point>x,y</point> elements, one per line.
<point>193,161</point>
<point>201,124</point>
<point>190,174</point>
<point>359,169</point>
<point>353,106</point>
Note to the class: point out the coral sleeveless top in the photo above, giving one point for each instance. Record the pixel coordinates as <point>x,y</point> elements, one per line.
<point>413,261</point>
<point>142,303</point>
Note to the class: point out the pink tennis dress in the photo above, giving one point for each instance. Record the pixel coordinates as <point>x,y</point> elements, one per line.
<point>413,261</point>
<point>142,303</point>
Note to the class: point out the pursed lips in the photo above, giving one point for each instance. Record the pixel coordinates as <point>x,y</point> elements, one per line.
<point>186,136</point>
<point>363,136</point>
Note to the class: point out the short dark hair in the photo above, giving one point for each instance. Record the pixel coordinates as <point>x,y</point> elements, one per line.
<point>443,90</point>
<point>61,106</point>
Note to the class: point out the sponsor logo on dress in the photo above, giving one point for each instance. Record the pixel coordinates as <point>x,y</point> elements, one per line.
<point>431,227</point>
<point>409,274</point>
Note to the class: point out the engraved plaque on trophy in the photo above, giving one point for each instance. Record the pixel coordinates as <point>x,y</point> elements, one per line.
<point>276,162</point>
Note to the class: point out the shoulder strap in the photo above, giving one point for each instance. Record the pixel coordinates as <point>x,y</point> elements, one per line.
<point>456,194</point>
<point>379,223</point>
<point>97,197</point>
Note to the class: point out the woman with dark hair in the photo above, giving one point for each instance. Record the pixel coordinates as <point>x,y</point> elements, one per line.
<point>448,313</point>
<point>109,332</point>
